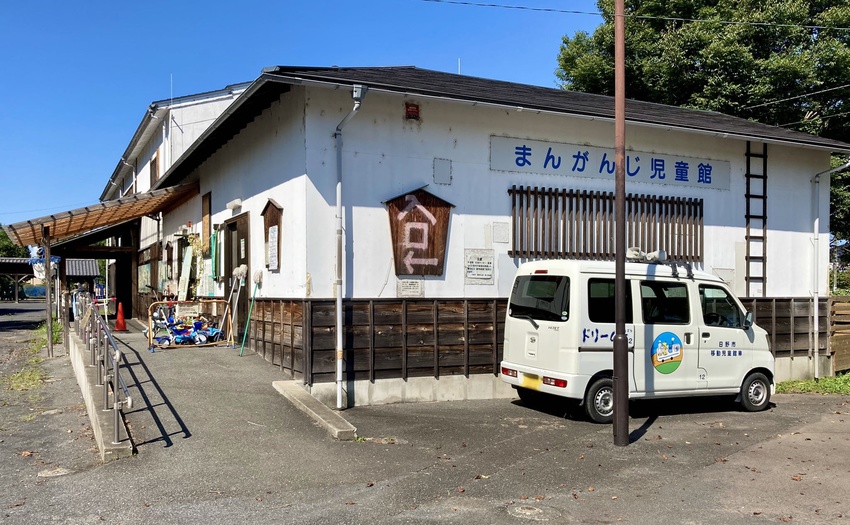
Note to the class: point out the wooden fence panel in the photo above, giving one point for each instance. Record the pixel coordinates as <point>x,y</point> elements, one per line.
<point>407,338</point>
<point>276,334</point>
<point>789,323</point>
<point>839,333</point>
<point>433,337</point>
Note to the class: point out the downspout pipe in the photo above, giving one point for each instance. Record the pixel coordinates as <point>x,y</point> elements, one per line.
<point>357,93</point>
<point>816,272</point>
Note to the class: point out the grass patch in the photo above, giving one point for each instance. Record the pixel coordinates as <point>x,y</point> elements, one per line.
<point>40,339</point>
<point>30,377</point>
<point>839,384</point>
<point>32,374</point>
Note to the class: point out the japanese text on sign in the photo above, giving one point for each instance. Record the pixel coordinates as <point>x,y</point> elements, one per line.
<point>602,336</point>
<point>553,158</point>
<point>479,266</point>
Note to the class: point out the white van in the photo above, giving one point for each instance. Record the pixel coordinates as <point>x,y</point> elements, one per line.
<point>687,335</point>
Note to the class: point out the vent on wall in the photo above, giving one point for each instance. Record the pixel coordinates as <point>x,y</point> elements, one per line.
<point>442,171</point>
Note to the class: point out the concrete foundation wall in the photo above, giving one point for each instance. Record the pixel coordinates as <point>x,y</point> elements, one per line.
<point>456,388</point>
<point>101,421</point>
<point>416,389</point>
<point>802,367</point>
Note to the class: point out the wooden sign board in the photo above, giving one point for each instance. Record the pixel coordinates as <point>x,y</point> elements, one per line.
<point>419,226</point>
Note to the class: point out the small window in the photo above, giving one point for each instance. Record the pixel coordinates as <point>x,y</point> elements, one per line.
<point>719,307</point>
<point>664,302</point>
<point>541,297</point>
<point>206,224</point>
<point>154,170</point>
<point>600,301</point>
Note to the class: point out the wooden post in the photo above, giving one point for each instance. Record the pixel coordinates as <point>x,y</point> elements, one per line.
<point>48,284</point>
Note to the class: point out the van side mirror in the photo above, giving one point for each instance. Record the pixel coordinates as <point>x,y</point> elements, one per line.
<point>748,321</point>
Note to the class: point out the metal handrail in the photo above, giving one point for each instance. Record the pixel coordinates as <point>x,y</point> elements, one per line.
<point>105,354</point>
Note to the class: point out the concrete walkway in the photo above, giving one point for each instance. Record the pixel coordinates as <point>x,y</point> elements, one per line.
<point>217,443</point>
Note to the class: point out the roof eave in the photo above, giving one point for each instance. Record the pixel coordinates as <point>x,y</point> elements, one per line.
<point>239,103</point>
<point>178,172</point>
<point>157,111</point>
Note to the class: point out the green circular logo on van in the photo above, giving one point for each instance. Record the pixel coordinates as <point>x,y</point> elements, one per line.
<point>667,352</point>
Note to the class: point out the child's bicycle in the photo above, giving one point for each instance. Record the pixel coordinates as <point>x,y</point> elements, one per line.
<point>166,328</point>
<point>161,319</point>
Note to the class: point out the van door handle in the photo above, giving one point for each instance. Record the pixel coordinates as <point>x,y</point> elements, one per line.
<point>688,338</point>
<point>706,335</point>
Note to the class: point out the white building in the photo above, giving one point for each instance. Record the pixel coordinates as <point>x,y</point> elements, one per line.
<point>427,189</point>
<point>734,197</point>
<point>166,131</point>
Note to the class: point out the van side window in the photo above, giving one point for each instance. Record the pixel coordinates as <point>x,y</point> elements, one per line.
<point>543,297</point>
<point>664,302</point>
<point>719,308</point>
<point>600,301</point>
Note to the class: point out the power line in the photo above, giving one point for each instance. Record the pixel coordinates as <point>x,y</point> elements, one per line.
<point>517,7</point>
<point>798,96</point>
<point>637,17</point>
<point>14,212</point>
<point>825,117</point>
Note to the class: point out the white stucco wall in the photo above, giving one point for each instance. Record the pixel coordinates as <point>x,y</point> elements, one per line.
<point>288,154</point>
<point>384,156</point>
<point>188,121</point>
<point>184,123</point>
<point>265,161</point>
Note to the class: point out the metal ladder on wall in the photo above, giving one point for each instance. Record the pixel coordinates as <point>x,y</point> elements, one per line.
<point>756,216</point>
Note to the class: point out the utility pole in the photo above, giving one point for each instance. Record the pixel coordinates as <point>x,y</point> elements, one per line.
<point>621,345</point>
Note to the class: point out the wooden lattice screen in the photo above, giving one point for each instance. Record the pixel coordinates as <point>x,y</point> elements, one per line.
<point>553,222</point>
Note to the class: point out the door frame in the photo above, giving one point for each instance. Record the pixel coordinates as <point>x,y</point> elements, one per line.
<point>230,227</point>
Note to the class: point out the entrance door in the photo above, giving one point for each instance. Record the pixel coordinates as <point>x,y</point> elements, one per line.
<point>237,251</point>
<point>725,350</point>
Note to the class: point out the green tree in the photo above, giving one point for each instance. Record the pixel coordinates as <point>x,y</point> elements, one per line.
<point>784,63</point>
<point>738,57</point>
<point>8,248</point>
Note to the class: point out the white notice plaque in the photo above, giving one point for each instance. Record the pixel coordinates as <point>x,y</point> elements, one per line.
<point>479,266</point>
<point>273,247</point>
<point>410,288</point>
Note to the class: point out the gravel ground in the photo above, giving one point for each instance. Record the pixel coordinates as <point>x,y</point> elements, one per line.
<point>42,435</point>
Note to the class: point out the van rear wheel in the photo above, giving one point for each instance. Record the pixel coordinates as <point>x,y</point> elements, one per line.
<point>599,401</point>
<point>755,392</point>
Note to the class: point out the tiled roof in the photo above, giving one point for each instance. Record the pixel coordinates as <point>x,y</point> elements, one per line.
<point>14,260</point>
<point>409,80</point>
<point>81,268</point>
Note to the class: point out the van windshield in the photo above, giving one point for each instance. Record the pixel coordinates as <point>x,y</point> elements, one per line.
<point>542,297</point>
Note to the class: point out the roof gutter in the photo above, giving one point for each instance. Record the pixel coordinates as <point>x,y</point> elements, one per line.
<point>231,109</point>
<point>268,75</point>
<point>513,107</point>
<point>816,263</point>
<point>156,110</point>
<point>357,93</point>
<point>111,184</point>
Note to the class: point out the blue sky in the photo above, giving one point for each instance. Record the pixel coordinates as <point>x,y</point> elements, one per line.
<point>76,77</point>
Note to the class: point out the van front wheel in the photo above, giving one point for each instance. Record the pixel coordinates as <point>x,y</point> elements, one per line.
<point>755,392</point>
<point>599,401</point>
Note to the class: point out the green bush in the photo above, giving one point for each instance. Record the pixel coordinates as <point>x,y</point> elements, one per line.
<point>839,384</point>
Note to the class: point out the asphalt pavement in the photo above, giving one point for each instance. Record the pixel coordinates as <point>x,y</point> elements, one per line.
<point>218,444</point>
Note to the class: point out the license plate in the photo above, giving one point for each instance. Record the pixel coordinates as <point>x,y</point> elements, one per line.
<point>531,381</point>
